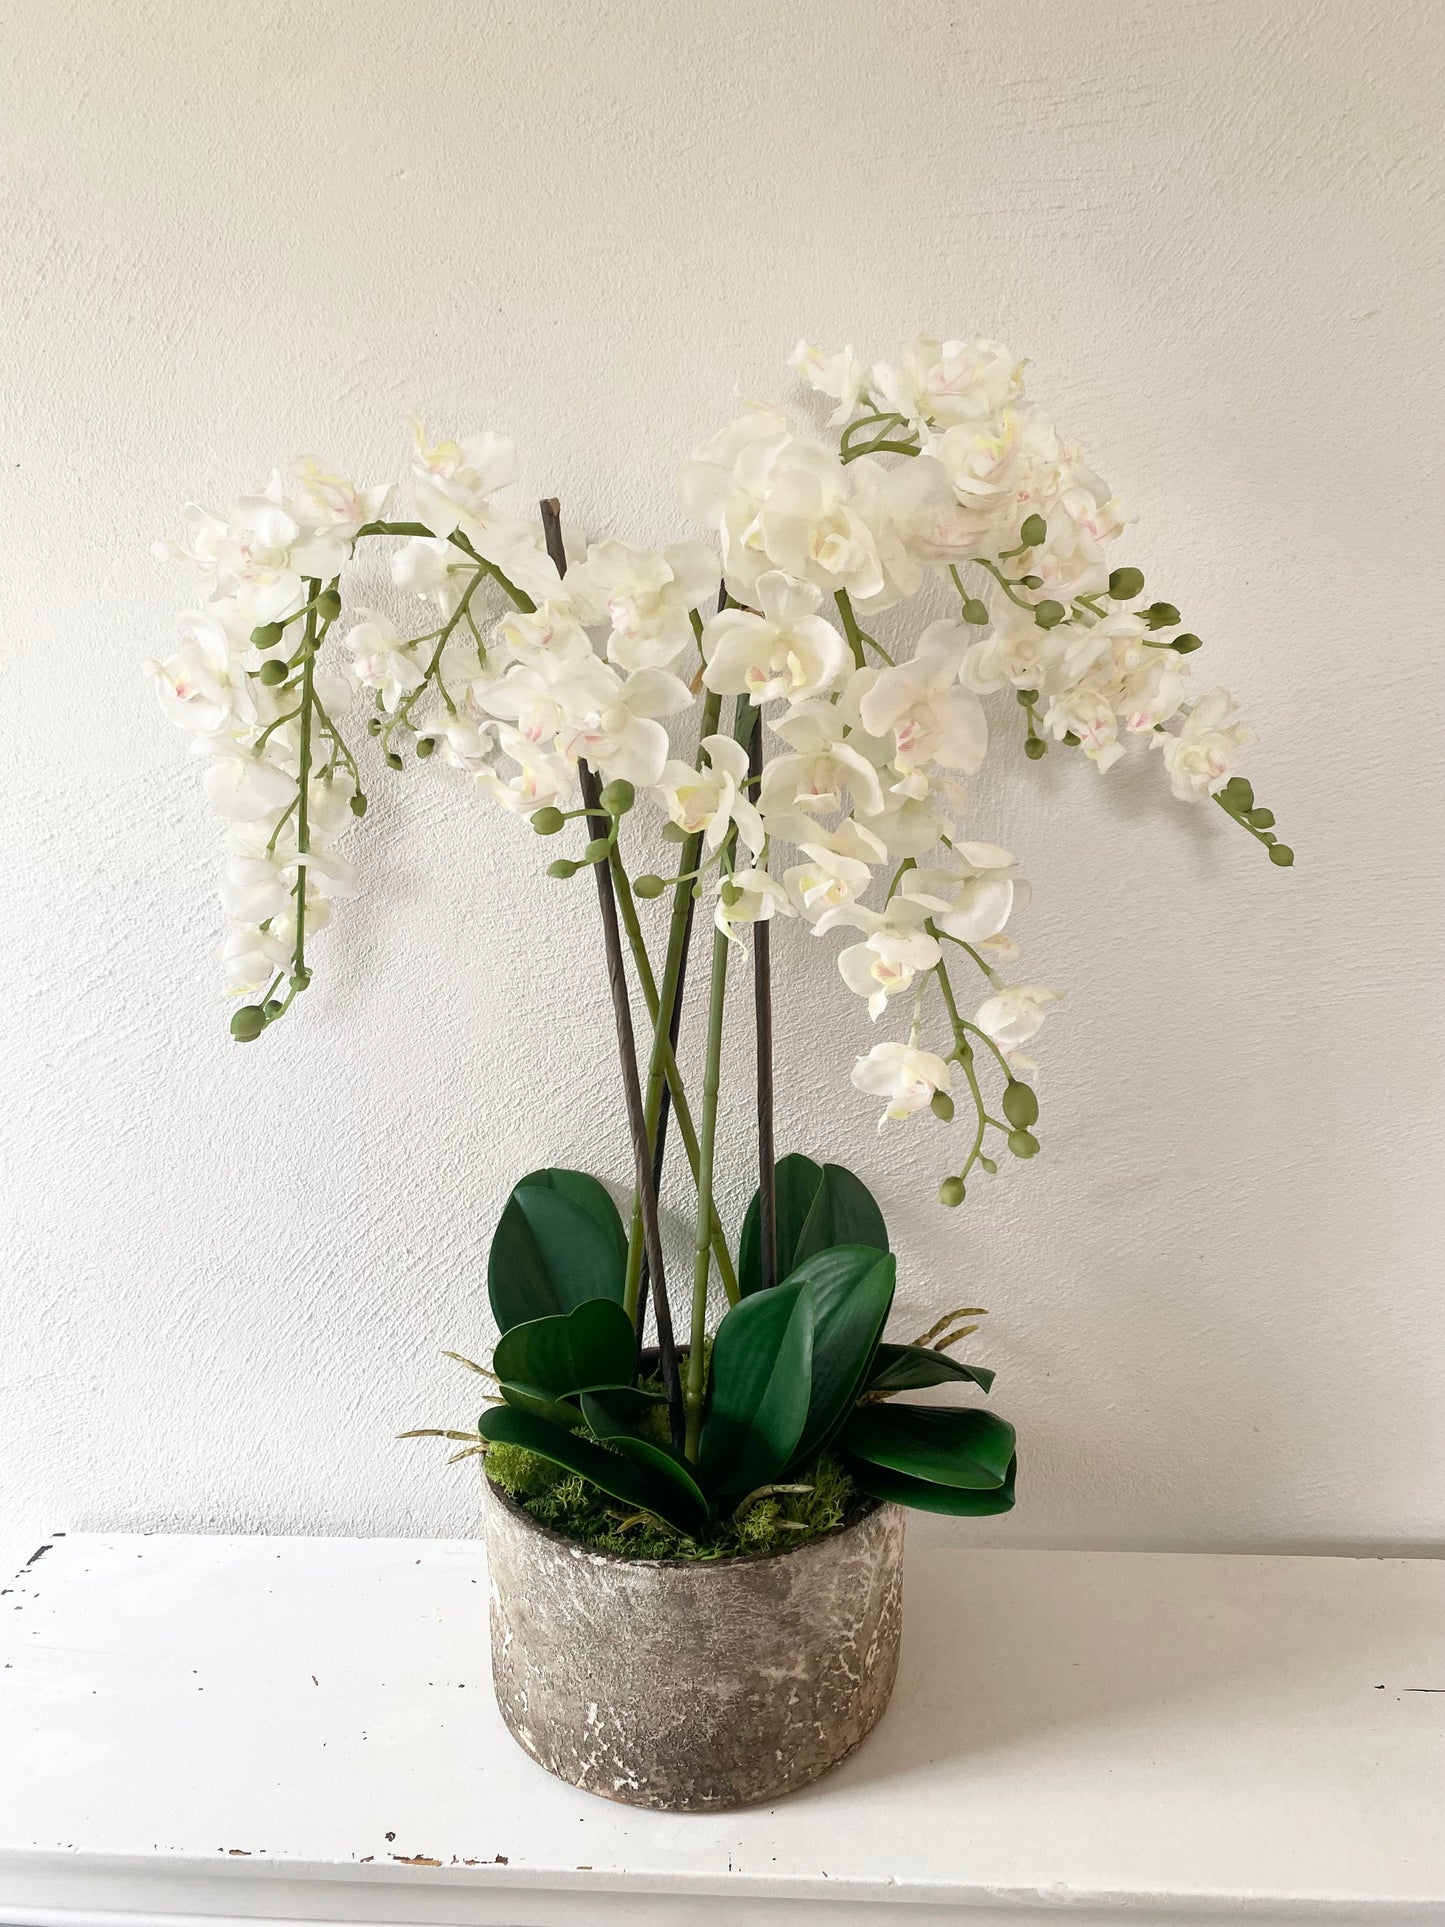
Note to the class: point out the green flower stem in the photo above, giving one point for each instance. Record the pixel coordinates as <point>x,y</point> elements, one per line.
<point>662,1068</point>
<point>694,1382</point>
<point>992,568</point>
<point>299,978</point>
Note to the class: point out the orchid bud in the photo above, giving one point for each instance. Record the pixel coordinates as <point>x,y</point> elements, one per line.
<point>267,635</point>
<point>1186,645</point>
<point>1023,1144</point>
<point>547,821</point>
<point>975,611</point>
<point>987,1164</point>
<point>1238,794</point>
<point>1125,584</point>
<point>425,746</point>
<point>1035,748</point>
<point>1261,819</point>
<point>1026,698</point>
<point>951,1192</point>
<point>648,887</point>
<point>272,1008</point>
<point>1034,531</point>
<point>674,833</point>
<point>393,761</point>
<point>271,673</point>
<point>1161,615</point>
<point>247,1023</point>
<point>1070,739</point>
<point>1281,854</point>
<point>358,804</point>
<point>328,605</point>
<point>941,1104</point>
<point>597,850</point>
<point>563,867</point>
<point>618,797</point>
<point>373,725</point>
<point>1032,581</point>
<point>1020,1105</point>
<point>1048,615</point>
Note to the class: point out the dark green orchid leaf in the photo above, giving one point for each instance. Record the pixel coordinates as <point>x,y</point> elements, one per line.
<point>762,1359</point>
<point>913,1368</point>
<point>626,1409</point>
<point>924,1496</point>
<point>797,1179</point>
<point>612,1417</point>
<point>944,1445</point>
<point>555,1410</point>
<point>582,1350</point>
<point>852,1288</point>
<point>843,1212</point>
<point>559,1242</point>
<point>620,1478</point>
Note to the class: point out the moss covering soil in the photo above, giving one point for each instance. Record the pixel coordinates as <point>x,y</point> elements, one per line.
<point>568,1504</point>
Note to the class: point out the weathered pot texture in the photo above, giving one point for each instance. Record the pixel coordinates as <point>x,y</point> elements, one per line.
<point>693,1686</point>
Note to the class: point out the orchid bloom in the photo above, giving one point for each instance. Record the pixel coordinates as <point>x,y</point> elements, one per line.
<point>906,1076</point>
<point>974,903</point>
<point>788,650</point>
<point>930,717</point>
<point>711,800</point>
<point>647,597</point>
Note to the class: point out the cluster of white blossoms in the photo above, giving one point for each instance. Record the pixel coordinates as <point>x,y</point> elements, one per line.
<point>943,477</point>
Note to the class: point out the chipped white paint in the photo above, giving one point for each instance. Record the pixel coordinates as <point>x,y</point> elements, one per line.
<point>1128,1739</point>
<point>1214,225</point>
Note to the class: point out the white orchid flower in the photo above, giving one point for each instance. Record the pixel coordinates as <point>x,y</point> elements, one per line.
<point>383,659</point>
<point>748,896</point>
<point>250,957</point>
<point>722,487</point>
<point>974,903</point>
<point>841,376</point>
<point>905,1075</point>
<point>827,880</point>
<point>920,703</point>
<point>1087,713</point>
<point>1001,469</point>
<point>1015,654</point>
<point>947,382</point>
<point>431,567</point>
<point>1202,756</point>
<point>646,596</point>
<point>542,780</point>
<point>825,772</point>
<point>907,825</point>
<point>613,724</point>
<point>810,527</point>
<point>244,788</point>
<point>202,687</point>
<point>453,482</point>
<point>710,800</point>
<point>787,651</point>
<point>895,950</point>
<point>1011,1017</point>
<point>548,635</point>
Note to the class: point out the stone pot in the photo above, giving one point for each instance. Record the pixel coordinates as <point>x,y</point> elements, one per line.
<point>693,1686</point>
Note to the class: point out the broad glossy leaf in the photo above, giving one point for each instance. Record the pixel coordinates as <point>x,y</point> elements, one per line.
<point>575,1351</point>
<point>762,1362</point>
<point>620,1478</point>
<point>609,1416</point>
<point>958,1446</point>
<point>797,1179</point>
<point>554,1247</point>
<point>913,1368</point>
<point>924,1496</point>
<point>555,1410</point>
<point>852,1289</point>
<point>623,1409</point>
<point>843,1212</point>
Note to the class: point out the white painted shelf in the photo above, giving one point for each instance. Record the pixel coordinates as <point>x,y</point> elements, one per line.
<point>303,1729</point>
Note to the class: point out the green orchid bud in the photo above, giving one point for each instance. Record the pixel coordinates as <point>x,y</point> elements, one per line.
<point>1020,1105</point>
<point>648,887</point>
<point>393,761</point>
<point>563,868</point>
<point>1034,531</point>
<point>547,821</point>
<point>272,672</point>
<point>358,804</point>
<point>1070,739</point>
<point>951,1192</point>
<point>1031,581</point>
<point>1186,645</point>
<point>247,1023</point>
<point>597,850</point>
<point>1281,854</point>
<point>618,797</point>
<point>1023,1144</point>
<point>987,1164</point>
<point>673,833</point>
<point>1260,819</point>
<point>1238,794</point>
<point>730,895</point>
<point>267,635</point>
<point>1026,698</point>
<point>300,979</point>
<point>328,605</point>
<point>975,611</point>
<point>1267,837</point>
<point>1161,615</point>
<point>1125,584</point>
<point>1035,748</point>
<point>373,725</point>
<point>425,746</point>
<point>941,1104</point>
<point>1048,615</point>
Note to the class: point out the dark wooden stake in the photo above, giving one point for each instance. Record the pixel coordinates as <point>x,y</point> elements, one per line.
<point>763,1031</point>
<point>599,824</point>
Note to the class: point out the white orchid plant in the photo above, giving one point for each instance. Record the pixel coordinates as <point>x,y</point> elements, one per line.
<point>865,593</point>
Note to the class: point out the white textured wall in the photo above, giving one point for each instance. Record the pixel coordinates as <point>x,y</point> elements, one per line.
<point>1214,226</point>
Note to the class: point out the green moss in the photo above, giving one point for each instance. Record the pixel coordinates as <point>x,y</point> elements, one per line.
<point>566,1503</point>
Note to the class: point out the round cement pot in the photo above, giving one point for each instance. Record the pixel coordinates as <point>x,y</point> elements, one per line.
<point>693,1686</point>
